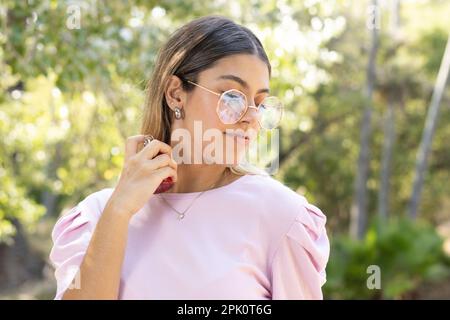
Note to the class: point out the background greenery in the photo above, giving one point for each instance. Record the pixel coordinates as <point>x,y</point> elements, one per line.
<point>69,98</point>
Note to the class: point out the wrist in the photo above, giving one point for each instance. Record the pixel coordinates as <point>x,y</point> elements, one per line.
<point>114,207</point>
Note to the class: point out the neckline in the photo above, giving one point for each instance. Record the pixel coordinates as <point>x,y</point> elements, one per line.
<point>174,195</point>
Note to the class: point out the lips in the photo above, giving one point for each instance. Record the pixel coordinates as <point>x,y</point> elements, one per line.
<point>238,136</point>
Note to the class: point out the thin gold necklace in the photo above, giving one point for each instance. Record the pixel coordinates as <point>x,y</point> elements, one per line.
<point>182,213</point>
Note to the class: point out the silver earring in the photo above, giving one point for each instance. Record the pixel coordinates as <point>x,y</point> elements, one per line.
<point>179,113</point>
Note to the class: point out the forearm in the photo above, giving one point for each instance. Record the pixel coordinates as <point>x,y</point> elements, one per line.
<point>100,271</point>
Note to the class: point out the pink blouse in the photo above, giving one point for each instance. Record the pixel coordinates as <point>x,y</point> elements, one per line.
<point>251,239</point>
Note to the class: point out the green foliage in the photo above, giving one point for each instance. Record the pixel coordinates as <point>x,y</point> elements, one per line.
<point>70,97</point>
<point>406,252</point>
<point>14,204</point>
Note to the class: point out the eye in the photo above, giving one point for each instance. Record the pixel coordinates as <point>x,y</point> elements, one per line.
<point>223,90</point>
<point>260,100</point>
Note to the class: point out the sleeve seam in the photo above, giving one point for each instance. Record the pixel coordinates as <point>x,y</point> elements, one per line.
<point>280,241</point>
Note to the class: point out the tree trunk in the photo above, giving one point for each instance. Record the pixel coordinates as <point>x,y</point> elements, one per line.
<point>430,126</point>
<point>394,19</point>
<point>358,214</point>
<point>389,123</point>
<point>388,146</point>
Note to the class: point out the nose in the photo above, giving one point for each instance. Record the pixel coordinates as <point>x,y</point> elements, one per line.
<point>251,115</point>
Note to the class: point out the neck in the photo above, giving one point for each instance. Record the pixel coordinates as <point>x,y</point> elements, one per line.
<point>200,177</point>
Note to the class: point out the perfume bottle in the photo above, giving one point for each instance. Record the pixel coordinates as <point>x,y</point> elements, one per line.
<point>167,183</point>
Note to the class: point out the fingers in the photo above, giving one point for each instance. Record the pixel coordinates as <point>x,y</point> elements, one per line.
<point>154,156</point>
<point>166,172</point>
<point>154,148</point>
<point>162,160</point>
<point>131,145</point>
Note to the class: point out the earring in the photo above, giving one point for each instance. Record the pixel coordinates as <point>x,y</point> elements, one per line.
<point>179,113</point>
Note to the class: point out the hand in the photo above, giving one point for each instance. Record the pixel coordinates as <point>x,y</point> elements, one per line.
<point>142,173</point>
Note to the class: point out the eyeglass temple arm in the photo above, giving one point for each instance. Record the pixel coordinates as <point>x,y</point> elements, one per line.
<point>195,84</point>
<point>217,94</point>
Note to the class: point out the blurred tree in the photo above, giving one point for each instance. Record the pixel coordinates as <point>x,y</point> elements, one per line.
<point>359,207</point>
<point>394,95</point>
<point>430,127</point>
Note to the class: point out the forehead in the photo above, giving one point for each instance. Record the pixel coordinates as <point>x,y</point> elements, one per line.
<point>248,67</point>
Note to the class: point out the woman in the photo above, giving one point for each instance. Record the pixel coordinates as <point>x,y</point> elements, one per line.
<point>208,230</point>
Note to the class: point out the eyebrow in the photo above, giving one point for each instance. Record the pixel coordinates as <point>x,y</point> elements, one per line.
<point>240,81</point>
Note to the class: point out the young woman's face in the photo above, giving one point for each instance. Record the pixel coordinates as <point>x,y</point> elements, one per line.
<point>243,72</point>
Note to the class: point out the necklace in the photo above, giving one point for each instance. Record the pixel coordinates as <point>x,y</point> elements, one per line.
<point>182,213</point>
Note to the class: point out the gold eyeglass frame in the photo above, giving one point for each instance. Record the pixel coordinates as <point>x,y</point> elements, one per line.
<point>247,106</point>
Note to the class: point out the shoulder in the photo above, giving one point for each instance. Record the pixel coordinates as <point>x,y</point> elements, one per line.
<point>282,208</point>
<point>83,216</point>
<point>273,194</point>
<point>95,202</point>
<point>268,186</point>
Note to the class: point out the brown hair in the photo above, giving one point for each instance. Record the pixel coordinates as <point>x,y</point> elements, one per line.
<point>191,49</point>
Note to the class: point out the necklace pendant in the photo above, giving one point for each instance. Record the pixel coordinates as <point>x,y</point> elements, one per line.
<point>180,216</point>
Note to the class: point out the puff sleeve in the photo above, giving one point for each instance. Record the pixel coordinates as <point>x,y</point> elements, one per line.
<point>298,264</point>
<point>71,236</point>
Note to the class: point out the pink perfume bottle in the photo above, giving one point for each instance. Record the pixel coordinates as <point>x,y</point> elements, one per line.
<point>167,183</point>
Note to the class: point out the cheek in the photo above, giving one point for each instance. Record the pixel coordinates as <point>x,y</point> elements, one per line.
<point>203,108</point>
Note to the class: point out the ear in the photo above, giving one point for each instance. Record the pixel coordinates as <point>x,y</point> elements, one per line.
<point>175,95</point>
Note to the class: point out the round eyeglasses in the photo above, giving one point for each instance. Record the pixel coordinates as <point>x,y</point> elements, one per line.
<point>232,106</point>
